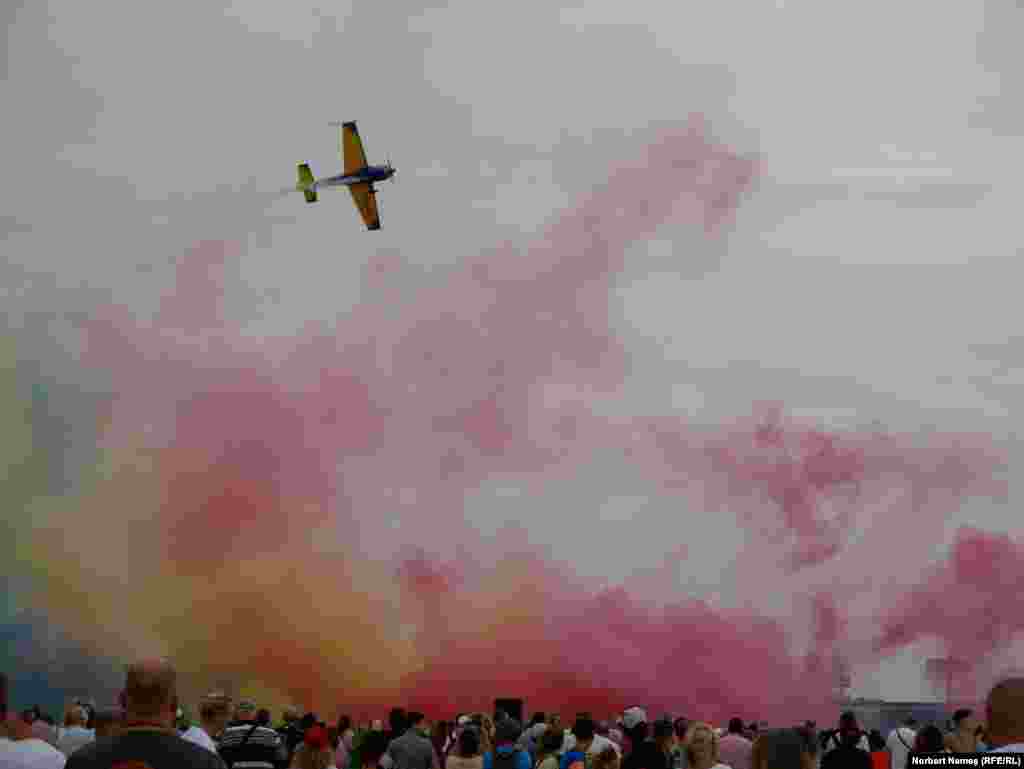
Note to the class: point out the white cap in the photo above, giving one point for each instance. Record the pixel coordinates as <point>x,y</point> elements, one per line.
<point>632,717</point>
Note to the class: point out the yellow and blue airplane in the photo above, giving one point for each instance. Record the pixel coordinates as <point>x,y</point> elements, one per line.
<point>358,176</point>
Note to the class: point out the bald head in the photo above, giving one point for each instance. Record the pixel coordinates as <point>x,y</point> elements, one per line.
<point>151,691</point>
<point>1005,711</point>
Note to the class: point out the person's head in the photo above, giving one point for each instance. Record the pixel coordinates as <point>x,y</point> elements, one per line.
<point>583,730</point>
<point>414,720</point>
<point>373,746</point>
<point>968,722</point>
<point>151,692</point>
<point>469,742</point>
<point>17,727</point>
<point>76,716</point>
<point>785,749</point>
<point>509,730</point>
<point>214,712</point>
<point>606,759</point>
<point>664,734</point>
<point>875,740</point>
<point>315,750</point>
<point>108,721</point>
<point>377,725</point>
<point>929,740</point>
<point>849,728</point>
<point>634,724</point>
<point>736,726</point>
<point>1004,712</point>
<point>680,726</point>
<point>701,744</point>
<point>550,742</point>
<point>344,724</point>
<point>397,720</point>
<point>538,718</point>
<point>263,717</point>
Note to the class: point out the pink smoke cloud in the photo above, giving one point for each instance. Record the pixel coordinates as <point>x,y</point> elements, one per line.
<point>322,455</point>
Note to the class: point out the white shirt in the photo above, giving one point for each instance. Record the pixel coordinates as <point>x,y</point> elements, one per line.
<point>899,744</point>
<point>74,737</point>
<point>30,754</point>
<point>198,735</point>
<point>599,744</point>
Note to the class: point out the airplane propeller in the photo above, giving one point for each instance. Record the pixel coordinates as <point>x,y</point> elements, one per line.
<point>392,169</point>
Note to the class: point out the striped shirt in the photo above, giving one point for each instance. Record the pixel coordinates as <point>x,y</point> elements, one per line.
<point>247,746</point>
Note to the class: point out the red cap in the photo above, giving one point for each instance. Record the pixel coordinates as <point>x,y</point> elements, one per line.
<point>316,737</point>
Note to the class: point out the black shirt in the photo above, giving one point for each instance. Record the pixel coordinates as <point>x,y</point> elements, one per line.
<point>291,735</point>
<point>646,755</point>
<point>143,749</point>
<point>846,757</point>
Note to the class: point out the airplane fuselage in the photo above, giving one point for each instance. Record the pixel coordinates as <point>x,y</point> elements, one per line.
<point>369,174</point>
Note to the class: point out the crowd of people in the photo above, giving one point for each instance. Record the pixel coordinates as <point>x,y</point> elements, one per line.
<point>146,730</point>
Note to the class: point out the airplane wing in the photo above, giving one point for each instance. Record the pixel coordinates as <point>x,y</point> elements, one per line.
<point>352,154</point>
<point>365,198</point>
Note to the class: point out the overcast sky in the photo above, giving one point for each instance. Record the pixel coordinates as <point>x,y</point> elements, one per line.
<point>872,274</point>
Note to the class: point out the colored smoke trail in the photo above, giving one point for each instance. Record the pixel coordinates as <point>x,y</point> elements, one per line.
<point>255,500</point>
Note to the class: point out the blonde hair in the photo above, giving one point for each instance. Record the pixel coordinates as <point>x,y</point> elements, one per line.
<point>310,758</point>
<point>701,726</point>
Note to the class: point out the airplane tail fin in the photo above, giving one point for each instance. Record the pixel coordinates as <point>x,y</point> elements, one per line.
<point>306,183</point>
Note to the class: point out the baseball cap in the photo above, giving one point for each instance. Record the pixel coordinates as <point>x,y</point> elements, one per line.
<point>633,717</point>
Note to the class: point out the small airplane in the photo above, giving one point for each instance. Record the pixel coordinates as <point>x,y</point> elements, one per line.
<point>358,176</point>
